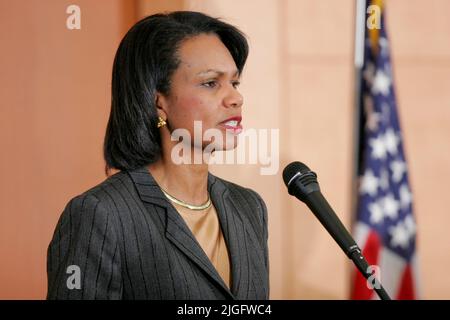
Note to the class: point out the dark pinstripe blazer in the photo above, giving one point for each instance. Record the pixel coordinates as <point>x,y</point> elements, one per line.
<point>129,242</point>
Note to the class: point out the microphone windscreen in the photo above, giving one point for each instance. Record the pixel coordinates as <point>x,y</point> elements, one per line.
<point>292,169</point>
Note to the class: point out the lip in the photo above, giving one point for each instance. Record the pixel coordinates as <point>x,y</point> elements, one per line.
<point>234,129</point>
<point>237,118</point>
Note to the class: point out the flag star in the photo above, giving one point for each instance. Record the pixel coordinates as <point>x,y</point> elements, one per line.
<point>405,196</point>
<point>372,121</point>
<point>410,225</point>
<point>384,45</point>
<point>388,69</point>
<point>390,206</point>
<point>369,183</point>
<point>399,236</point>
<point>381,83</point>
<point>398,168</point>
<point>368,103</point>
<point>384,179</point>
<point>391,141</point>
<point>378,148</point>
<point>385,113</point>
<point>372,117</point>
<point>369,72</point>
<point>376,213</point>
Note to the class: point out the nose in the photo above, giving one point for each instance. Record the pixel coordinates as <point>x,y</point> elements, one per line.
<point>233,99</point>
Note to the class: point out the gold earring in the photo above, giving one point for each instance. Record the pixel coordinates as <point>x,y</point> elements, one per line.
<point>161,122</point>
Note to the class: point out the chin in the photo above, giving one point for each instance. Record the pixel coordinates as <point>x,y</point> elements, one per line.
<point>225,145</point>
<point>230,143</point>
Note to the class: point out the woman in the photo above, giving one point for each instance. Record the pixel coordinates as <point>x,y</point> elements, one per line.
<point>161,228</point>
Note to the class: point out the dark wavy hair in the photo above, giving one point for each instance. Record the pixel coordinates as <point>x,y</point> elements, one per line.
<point>144,63</point>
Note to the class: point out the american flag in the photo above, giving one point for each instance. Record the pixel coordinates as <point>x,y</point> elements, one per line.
<point>385,228</point>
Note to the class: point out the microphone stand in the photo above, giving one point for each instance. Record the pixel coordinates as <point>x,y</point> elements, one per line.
<point>363,267</point>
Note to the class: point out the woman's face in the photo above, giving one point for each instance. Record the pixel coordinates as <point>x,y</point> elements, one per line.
<point>204,88</point>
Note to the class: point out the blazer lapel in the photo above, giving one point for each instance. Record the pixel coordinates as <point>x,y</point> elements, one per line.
<point>176,229</point>
<point>234,233</point>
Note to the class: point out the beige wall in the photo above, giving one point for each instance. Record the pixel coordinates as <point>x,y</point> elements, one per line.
<point>55,92</point>
<point>55,89</point>
<point>420,38</point>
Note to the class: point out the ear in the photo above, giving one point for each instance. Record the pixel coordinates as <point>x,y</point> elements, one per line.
<point>161,103</point>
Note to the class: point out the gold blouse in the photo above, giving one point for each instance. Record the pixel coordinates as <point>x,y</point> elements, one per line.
<point>206,228</point>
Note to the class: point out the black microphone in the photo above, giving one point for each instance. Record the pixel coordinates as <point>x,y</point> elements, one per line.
<point>302,183</point>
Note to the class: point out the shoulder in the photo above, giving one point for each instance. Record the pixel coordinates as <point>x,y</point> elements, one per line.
<point>99,201</point>
<point>244,196</point>
<point>253,212</point>
<point>107,192</point>
<point>250,206</point>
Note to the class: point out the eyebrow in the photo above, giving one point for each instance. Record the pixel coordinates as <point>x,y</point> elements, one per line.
<point>219,72</point>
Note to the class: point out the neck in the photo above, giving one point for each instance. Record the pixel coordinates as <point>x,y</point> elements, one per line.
<point>187,182</point>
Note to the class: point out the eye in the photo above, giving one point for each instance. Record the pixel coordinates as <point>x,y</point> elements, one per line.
<point>210,84</point>
<point>235,83</point>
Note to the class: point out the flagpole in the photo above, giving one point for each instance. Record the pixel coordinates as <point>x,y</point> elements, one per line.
<point>360,27</point>
<point>360,19</point>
